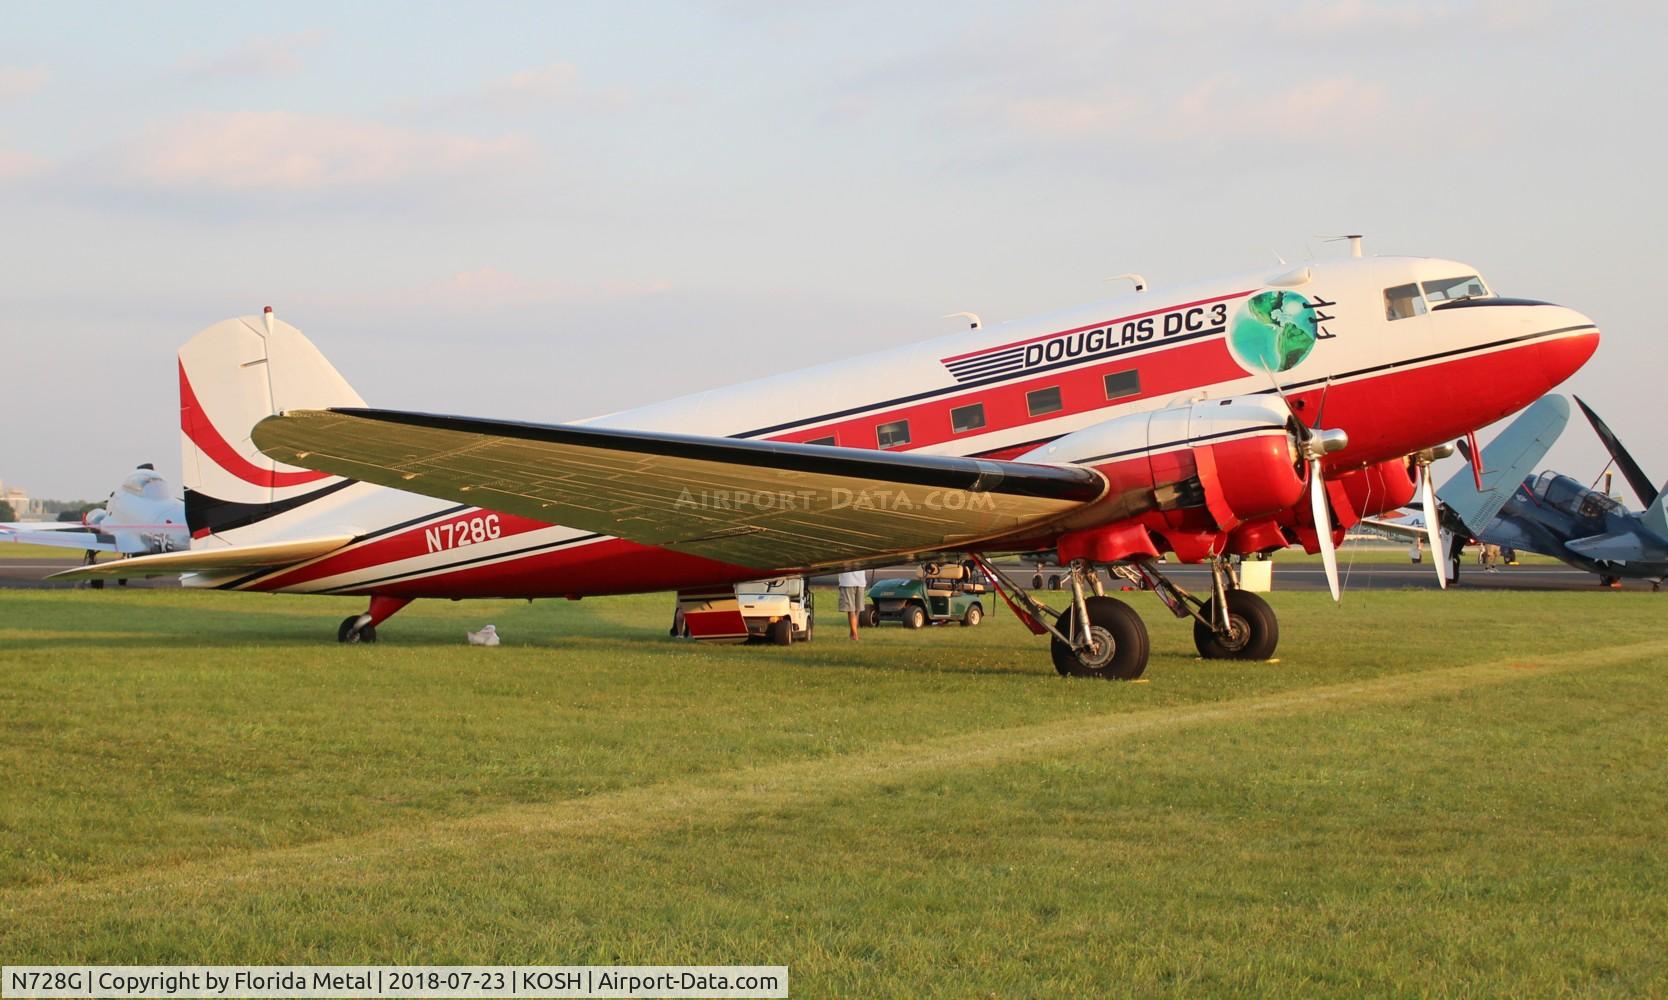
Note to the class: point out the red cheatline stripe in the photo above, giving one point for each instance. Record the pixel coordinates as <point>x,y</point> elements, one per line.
<point>1096,326</point>
<point>197,426</point>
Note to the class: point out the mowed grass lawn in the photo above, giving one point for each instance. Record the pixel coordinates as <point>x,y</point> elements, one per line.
<point>1427,794</point>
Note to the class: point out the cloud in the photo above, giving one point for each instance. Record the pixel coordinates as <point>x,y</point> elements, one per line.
<point>555,82</point>
<point>278,56</point>
<point>558,84</point>
<point>1221,106</point>
<point>489,287</point>
<point>17,81</point>
<point>280,151</point>
<point>15,164</point>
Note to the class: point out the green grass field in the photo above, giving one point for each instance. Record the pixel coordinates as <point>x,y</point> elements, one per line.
<point>18,551</point>
<point>1428,793</point>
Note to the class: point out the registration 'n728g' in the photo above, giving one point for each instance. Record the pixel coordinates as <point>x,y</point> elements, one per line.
<point>468,531</point>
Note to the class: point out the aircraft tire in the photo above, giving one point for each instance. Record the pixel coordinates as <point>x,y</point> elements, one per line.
<point>1037,582</point>
<point>781,632</point>
<point>1054,582</point>
<point>1256,630</point>
<point>346,633</point>
<point>1118,624</point>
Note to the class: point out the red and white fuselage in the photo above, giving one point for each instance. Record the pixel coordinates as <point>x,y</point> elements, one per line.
<point>1399,353</point>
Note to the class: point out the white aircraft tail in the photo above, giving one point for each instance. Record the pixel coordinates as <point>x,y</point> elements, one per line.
<point>233,375</point>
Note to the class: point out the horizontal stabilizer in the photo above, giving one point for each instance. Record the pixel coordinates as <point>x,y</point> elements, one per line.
<point>77,536</point>
<point>228,559</point>
<point>1507,461</point>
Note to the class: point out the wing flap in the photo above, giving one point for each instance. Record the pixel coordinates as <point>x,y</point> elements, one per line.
<point>762,504</point>
<point>229,559</point>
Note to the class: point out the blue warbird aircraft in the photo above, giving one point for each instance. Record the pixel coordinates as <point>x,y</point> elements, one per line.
<point>1551,513</point>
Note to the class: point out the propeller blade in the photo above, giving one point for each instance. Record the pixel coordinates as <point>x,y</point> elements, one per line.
<point>1323,527</point>
<point>1433,529</point>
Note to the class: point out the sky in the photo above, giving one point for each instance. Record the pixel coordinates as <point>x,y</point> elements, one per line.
<point>549,211</point>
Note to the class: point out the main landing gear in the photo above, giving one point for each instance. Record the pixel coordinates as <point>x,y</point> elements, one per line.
<point>362,628</point>
<point>1099,636</point>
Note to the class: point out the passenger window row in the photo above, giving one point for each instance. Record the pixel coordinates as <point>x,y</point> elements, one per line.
<point>969,418</point>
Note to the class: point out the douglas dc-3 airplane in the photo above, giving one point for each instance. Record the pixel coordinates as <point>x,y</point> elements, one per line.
<point>1191,422</point>
<point>142,516</point>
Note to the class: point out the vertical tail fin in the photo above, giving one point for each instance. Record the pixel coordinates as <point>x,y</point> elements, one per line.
<point>1656,515</point>
<point>232,375</point>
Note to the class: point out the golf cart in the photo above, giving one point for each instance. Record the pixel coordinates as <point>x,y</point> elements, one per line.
<point>938,593</point>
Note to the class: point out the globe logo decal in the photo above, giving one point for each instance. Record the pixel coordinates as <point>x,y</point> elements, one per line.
<point>1273,331</point>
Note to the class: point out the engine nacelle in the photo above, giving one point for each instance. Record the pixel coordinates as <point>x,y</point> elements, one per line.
<point>1377,489</point>
<point>1205,467</point>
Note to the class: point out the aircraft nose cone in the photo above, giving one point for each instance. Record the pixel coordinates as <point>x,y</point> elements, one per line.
<point>1563,353</point>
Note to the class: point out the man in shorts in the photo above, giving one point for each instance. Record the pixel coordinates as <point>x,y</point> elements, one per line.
<point>851,597</point>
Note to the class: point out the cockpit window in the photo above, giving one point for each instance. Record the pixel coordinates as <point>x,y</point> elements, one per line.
<point>1403,302</point>
<point>1596,504</point>
<point>1451,289</point>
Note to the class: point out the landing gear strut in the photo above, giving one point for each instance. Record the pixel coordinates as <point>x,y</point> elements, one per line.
<point>1233,625</point>
<point>362,628</point>
<point>1098,636</point>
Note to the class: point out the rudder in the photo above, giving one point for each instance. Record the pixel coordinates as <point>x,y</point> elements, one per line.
<point>233,375</point>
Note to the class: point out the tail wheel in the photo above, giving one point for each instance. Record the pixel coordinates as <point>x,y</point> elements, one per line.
<point>1253,630</point>
<point>347,633</point>
<point>914,617</point>
<point>781,632</point>
<point>974,615</point>
<point>1120,642</point>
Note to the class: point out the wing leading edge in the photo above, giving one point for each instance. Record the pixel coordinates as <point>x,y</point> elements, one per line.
<point>764,504</point>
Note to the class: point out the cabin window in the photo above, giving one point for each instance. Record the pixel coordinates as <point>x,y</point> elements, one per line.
<point>1121,384</point>
<point>1403,302</point>
<point>1044,401</point>
<point>892,435</point>
<point>1454,289</point>
<point>829,440</point>
<point>967,418</point>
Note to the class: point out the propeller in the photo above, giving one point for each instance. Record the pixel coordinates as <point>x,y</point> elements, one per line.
<point>1316,444</point>
<point>1433,514</point>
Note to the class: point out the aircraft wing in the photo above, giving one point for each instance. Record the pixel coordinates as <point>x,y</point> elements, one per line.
<point>1404,530</point>
<point>1620,547</point>
<point>69,535</point>
<point>221,559</point>
<point>1507,460</point>
<point>764,504</point>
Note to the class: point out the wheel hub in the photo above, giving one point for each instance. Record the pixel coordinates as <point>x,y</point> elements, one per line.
<point>1099,650</point>
<point>1238,634</point>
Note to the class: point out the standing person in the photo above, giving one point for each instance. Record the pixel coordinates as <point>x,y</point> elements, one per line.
<point>851,597</point>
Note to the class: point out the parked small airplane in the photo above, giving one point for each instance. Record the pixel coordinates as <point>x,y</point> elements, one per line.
<point>142,516</point>
<point>1550,513</point>
<point>1192,422</point>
